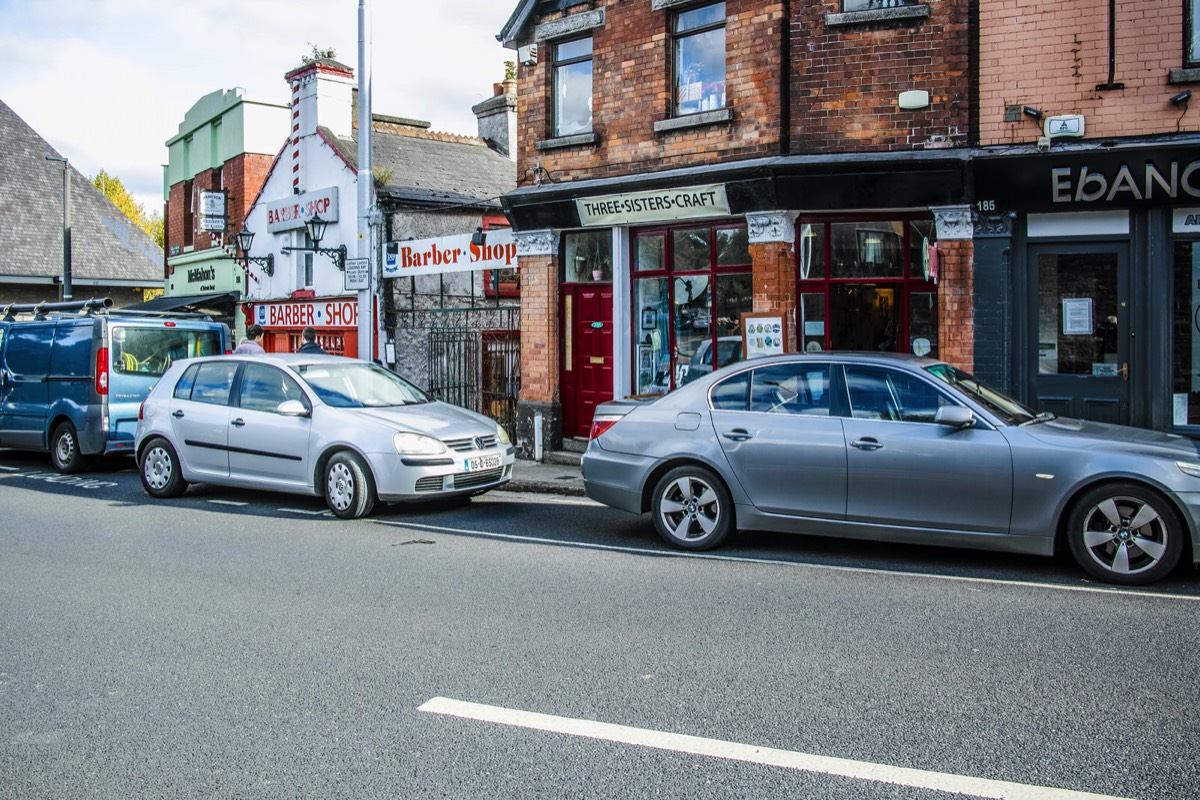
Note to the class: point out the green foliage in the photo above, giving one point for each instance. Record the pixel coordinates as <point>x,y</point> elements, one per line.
<point>111,187</point>
<point>510,70</point>
<point>382,176</point>
<point>317,54</point>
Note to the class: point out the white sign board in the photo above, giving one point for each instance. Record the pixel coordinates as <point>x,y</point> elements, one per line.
<point>450,254</point>
<point>357,274</point>
<point>212,204</point>
<point>663,205</point>
<point>337,312</point>
<point>212,224</point>
<point>293,211</point>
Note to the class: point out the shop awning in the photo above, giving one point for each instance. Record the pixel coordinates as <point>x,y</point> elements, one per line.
<point>218,305</point>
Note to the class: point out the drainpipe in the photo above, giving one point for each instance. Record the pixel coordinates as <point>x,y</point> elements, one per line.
<point>1112,50</point>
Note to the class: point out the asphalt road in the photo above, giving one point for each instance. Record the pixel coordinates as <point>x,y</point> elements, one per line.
<point>243,645</point>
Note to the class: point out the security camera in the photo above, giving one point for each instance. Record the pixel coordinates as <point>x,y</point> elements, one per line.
<point>1181,98</point>
<point>1043,144</point>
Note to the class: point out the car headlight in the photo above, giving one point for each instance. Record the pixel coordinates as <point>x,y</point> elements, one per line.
<point>502,436</point>
<point>1189,468</point>
<point>417,444</point>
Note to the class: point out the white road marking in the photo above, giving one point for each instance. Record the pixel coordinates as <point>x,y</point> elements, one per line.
<point>229,503</point>
<point>9,469</point>
<point>642,551</point>
<point>317,513</point>
<point>716,748</point>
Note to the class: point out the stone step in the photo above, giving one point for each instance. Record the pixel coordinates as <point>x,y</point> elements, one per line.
<point>575,445</point>
<point>565,458</point>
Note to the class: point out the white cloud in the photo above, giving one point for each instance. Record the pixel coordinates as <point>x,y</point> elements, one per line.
<point>107,82</point>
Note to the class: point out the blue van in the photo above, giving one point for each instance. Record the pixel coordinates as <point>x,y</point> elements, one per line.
<point>73,375</point>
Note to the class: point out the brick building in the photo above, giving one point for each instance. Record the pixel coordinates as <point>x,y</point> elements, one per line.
<point>691,171</point>
<point>217,162</point>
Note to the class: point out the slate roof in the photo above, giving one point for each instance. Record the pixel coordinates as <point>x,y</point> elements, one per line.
<point>431,168</point>
<point>105,244</point>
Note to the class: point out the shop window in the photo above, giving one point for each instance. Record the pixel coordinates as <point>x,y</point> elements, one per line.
<point>1185,333</point>
<point>699,47</point>
<point>688,313</point>
<point>587,256</point>
<point>573,87</point>
<point>866,285</point>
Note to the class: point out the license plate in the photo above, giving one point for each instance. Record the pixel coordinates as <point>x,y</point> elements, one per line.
<point>481,463</point>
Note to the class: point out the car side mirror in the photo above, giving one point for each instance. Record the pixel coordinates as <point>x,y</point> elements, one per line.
<point>292,408</point>
<point>955,416</point>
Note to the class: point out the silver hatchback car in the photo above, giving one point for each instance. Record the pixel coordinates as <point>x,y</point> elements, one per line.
<point>341,428</point>
<point>895,448</point>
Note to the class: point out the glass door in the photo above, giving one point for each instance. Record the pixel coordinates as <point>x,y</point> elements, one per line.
<point>1080,330</point>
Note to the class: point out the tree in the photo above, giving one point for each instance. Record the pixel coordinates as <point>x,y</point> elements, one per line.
<point>112,188</point>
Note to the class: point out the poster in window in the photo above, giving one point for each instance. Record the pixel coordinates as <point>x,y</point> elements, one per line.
<point>1077,316</point>
<point>764,334</point>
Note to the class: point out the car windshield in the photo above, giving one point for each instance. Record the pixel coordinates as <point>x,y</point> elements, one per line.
<point>1003,406</point>
<point>357,385</point>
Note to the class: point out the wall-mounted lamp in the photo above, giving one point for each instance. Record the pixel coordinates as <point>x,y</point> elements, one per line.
<point>316,231</point>
<point>1030,111</point>
<point>245,239</point>
<point>1181,98</point>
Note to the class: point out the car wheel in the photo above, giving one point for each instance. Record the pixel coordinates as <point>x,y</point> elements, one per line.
<point>161,475</point>
<point>64,449</point>
<point>1125,533</point>
<point>692,508</point>
<point>348,488</point>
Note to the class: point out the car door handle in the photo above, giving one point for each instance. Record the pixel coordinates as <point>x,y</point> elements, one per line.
<point>738,435</point>
<point>867,444</point>
<point>177,413</point>
<point>238,423</point>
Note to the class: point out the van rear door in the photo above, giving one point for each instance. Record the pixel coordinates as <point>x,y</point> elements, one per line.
<point>25,392</point>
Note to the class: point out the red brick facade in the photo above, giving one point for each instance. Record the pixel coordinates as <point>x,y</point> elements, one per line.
<point>241,177</point>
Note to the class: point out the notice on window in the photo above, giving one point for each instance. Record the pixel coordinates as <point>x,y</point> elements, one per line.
<point>1077,316</point>
<point>763,335</point>
<point>1180,409</point>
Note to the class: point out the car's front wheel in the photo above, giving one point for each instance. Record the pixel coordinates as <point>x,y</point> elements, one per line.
<point>692,508</point>
<point>161,476</point>
<point>1125,533</point>
<point>349,491</point>
<point>64,449</point>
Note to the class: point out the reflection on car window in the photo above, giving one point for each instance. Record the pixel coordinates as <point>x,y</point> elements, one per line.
<point>356,385</point>
<point>213,381</point>
<point>791,389</point>
<point>878,393</point>
<point>183,389</point>
<point>264,388</point>
<point>1003,406</point>
<point>730,394</point>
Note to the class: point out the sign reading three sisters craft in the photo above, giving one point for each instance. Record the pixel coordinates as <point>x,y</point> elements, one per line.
<point>661,205</point>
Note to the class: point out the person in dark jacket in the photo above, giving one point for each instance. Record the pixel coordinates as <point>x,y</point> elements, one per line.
<point>309,336</point>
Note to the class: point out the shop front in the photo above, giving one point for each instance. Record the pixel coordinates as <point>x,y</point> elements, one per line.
<point>335,320</point>
<point>654,286</point>
<point>1100,249</point>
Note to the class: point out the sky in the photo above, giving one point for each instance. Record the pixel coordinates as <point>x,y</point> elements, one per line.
<point>107,82</point>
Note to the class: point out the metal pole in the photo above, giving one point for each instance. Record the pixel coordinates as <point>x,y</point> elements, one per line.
<point>66,270</point>
<point>366,186</point>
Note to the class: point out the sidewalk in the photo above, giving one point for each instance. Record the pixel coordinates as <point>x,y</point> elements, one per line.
<point>532,476</point>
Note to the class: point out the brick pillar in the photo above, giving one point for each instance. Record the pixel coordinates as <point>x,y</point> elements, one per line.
<point>772,252</point>
<point>956,285</point>
<point>538,404</point>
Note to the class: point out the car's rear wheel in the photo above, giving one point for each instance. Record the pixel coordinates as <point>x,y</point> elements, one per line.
<point>692,508</point>
<point>1125,533</point>
<point>349,490</point>
<point>64,449</point>
<point>161,476</point>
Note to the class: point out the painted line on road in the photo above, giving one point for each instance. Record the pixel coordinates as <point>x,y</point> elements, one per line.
<point>768,756</point>
<point>641,551</point>
<point>9,469</point>
<point>229,502</point>
<point>306,511</point>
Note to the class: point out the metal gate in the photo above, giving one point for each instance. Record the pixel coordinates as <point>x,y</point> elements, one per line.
<point>472,357</point>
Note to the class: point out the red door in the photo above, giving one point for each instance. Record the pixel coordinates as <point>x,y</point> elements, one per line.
<point>587,348</point>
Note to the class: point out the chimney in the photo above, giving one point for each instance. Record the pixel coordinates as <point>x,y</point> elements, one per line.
<point>321,96</point>
<point>498,118</point>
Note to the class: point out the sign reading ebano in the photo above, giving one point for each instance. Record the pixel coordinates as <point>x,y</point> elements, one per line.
<point>662,205</point>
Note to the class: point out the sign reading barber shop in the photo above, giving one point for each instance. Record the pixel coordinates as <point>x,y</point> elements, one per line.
<point>660,205</point>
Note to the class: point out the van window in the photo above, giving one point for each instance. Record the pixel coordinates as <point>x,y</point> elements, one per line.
<point>150,351</point>
<point>29,349</point>
<point>72,353</point>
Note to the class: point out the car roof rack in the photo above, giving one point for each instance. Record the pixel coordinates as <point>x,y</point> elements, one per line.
<point>40,310</point>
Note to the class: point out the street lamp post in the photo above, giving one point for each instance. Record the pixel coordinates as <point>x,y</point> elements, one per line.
<point>66,270</point>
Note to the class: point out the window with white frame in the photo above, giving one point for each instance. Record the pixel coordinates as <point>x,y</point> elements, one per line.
<point>573,87</point>
<point>699,47</point>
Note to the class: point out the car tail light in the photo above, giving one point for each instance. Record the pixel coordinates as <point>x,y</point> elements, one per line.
<point>141,411</point>
<point>102,371</point>
<point>602,423</point>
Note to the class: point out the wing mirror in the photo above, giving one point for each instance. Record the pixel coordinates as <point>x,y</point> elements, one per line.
<point>292,408</point>
<point>955,416</point>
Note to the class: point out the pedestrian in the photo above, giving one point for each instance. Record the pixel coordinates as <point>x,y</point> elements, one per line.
<point>309,337</point>
<point>253,341</point>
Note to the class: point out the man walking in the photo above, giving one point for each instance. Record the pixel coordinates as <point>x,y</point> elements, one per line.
<point>253,341</point>
<point>309,336</point>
